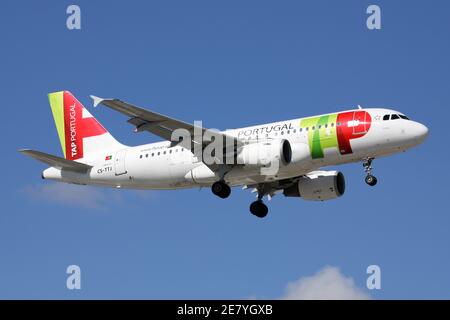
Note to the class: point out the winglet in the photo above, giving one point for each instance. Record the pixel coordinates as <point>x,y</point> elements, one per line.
<point>97,100</point>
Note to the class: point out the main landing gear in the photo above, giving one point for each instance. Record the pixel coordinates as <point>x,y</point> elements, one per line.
<point>221,189</point>
<point>258,208</point>
<point>370,179</point>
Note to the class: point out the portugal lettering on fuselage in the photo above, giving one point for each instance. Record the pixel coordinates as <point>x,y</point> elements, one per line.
<point>265,130</point>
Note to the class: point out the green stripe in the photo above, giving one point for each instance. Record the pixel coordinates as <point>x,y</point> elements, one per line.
<point>57,103</point>
<point>318,139</point>
<point>317,150</point>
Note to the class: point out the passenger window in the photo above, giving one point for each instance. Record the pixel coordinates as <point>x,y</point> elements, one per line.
<point>320,126</point>
<point>153,154</point>
<point>307,128</point>
<point>338,124</point>
<point>159,153</point>
<point>385,117</point>
<point>394,117</point>
<point>140,157</point>
<point>313,128</point>
<point>326,125</point>
<point>332,124</point>
<point>146,155</point>
<point>301,129</point>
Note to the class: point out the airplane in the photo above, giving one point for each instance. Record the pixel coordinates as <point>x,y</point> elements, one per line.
<point>285,157</point>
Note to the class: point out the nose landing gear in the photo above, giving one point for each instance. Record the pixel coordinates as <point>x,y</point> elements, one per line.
<point>370,179</point>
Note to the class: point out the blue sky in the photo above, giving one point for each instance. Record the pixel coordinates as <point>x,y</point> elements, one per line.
<point>229,64</point>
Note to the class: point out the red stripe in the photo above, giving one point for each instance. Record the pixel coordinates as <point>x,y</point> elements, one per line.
<point>77,128</point>
<point>346,133</point>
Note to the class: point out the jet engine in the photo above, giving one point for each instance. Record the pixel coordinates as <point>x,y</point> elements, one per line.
<point>318,185</point>
<point>265,153</point>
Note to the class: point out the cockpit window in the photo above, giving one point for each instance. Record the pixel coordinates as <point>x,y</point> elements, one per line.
<point>394,117</point>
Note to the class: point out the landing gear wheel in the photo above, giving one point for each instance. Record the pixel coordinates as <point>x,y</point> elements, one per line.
<point>221,189</point>
<point>371,180</point>
<point>259,209</point>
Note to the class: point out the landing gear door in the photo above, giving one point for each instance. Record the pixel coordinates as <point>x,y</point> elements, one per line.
<point>119,162</point>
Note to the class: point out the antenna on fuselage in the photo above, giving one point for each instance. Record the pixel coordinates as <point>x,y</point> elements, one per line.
<point>359,107</point>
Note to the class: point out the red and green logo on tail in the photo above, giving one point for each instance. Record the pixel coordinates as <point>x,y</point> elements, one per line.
<point>73,122</point>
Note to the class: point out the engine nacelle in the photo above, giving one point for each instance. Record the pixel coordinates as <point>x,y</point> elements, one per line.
<point>300,153</point>
<point>265,153</point>
<point>318,185</point>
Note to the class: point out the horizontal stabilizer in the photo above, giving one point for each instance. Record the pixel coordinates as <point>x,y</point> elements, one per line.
<point>56,162</point>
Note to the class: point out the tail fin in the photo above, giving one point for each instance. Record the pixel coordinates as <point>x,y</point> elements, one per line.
<point>80,134</point>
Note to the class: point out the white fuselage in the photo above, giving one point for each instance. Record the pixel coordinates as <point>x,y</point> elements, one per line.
<point>163,166</point>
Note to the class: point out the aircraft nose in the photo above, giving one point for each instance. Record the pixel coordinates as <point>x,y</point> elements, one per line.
<point>420,131</point>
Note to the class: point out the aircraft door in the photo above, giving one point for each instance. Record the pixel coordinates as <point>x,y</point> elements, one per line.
<point>360,122</point>
<point>119,162</point>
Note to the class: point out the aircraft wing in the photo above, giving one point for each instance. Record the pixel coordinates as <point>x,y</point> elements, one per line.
<point>163,126</point>
<point>56,162</point>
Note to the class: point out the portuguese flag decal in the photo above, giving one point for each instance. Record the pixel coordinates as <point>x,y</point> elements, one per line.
<point>108,158</point>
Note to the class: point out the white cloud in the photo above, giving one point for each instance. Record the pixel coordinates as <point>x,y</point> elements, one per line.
<point>81,196</point>
<point>329,283</point>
